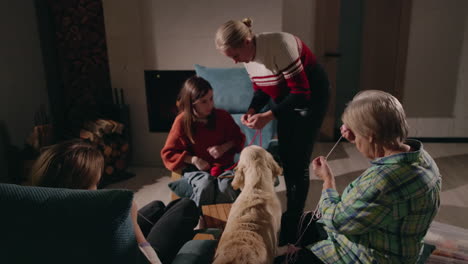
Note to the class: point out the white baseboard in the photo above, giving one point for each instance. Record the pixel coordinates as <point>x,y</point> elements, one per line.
<point>438,127</point>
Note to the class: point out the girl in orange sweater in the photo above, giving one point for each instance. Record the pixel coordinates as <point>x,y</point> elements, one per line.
<point>201,135</point>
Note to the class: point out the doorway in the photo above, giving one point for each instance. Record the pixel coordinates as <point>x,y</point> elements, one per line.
<point>362,45</point>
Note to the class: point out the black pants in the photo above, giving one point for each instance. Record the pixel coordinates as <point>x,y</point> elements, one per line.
<point>304,256</point>
<point>168,228</point>
<point>311,233</point>
<point>297,132</point>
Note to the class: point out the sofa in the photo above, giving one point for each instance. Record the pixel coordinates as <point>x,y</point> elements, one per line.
<point>52,225</point>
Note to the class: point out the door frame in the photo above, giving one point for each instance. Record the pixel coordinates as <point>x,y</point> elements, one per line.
<point>327,39</point>
<point>327,20</point>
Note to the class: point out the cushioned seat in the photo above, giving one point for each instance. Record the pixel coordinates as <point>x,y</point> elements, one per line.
<point>52,225</point>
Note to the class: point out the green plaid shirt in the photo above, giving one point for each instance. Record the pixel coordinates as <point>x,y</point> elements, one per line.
<point>383,215</point>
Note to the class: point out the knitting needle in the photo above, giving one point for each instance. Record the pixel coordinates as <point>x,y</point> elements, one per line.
<point>336,144</point>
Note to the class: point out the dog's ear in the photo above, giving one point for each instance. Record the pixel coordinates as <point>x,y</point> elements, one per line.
<point>239,178</point>
<point>276,170</point>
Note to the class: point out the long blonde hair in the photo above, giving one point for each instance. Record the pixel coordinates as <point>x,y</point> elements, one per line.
<point>73,164</point>
<point>193,89</point>
<point>233,33</point>
<point>379,115</point>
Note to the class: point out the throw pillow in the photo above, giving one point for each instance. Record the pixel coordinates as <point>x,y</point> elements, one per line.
<point>232,87</point>
<point>181,187</point>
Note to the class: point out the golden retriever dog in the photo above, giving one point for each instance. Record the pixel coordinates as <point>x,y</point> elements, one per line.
<point>251,232</point>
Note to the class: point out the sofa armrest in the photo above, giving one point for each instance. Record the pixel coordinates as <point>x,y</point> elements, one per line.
<point>196,252</point>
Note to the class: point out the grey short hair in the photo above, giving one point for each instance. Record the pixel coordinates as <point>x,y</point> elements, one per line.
<point>377,114</point>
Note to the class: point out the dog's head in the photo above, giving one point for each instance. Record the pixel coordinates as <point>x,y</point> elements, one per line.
<point>257,163</point>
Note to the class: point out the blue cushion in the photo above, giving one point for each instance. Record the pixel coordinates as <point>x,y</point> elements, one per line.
<point>52,225</point>
<point>196,251</point>
<point>233,92</point>
<point>232,87</point>
<point>181,188</point>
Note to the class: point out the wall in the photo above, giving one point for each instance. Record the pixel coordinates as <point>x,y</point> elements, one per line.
<point>174,35</point>
<point>156,34</point>
<point>298,18</point>
<point>436,69</point>
<point>177,34</point>
<point>23,86</point>
<point>349,65</point>
<point>460,122</point>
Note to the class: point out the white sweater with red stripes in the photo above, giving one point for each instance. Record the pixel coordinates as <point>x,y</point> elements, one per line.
<point>278,71</point>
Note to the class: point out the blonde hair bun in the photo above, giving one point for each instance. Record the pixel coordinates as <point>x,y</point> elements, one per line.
<point>233,33</point>
<point>247,21</point>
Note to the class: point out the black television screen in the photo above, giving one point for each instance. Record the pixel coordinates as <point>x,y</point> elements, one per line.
<point>162,88</point>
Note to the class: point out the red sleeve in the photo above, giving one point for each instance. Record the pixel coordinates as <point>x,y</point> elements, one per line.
<point>294,73</point>
<point>175,149</point>
<point>296,79</point>
<point>254,85</point>
<point>233,133</point>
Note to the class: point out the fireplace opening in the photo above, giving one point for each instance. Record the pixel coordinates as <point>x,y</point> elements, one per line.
<point>162,88</point>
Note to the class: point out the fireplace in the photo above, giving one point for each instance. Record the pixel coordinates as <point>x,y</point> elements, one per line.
<point>73,43</point>
<point>162,88</point>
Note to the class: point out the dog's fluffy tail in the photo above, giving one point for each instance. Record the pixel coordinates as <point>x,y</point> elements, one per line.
<point>241,255</point>
<point>243,251</point>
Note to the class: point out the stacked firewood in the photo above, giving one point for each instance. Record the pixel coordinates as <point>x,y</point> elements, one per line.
<point>107,135</point>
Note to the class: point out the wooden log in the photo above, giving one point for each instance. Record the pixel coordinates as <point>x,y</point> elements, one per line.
<point>109,170</point>
<point>116,127</point>
<point>107,160</point>
<point>115,153</point>
<point>107,151</point>
<point>105,125</point>
<point>120,164</point>
<point>85,134</point>
<point>124,147</point>
<point>99,127</point>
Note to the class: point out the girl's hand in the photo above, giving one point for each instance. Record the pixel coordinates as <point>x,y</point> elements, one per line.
<point>323,171</point>
<point>347,133</point>
<point>216,151</point>
<point>258,121</point>
<point>245,117</point>
<point>200,163</point>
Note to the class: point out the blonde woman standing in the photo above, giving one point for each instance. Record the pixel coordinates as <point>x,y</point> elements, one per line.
<point>283,68</point>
